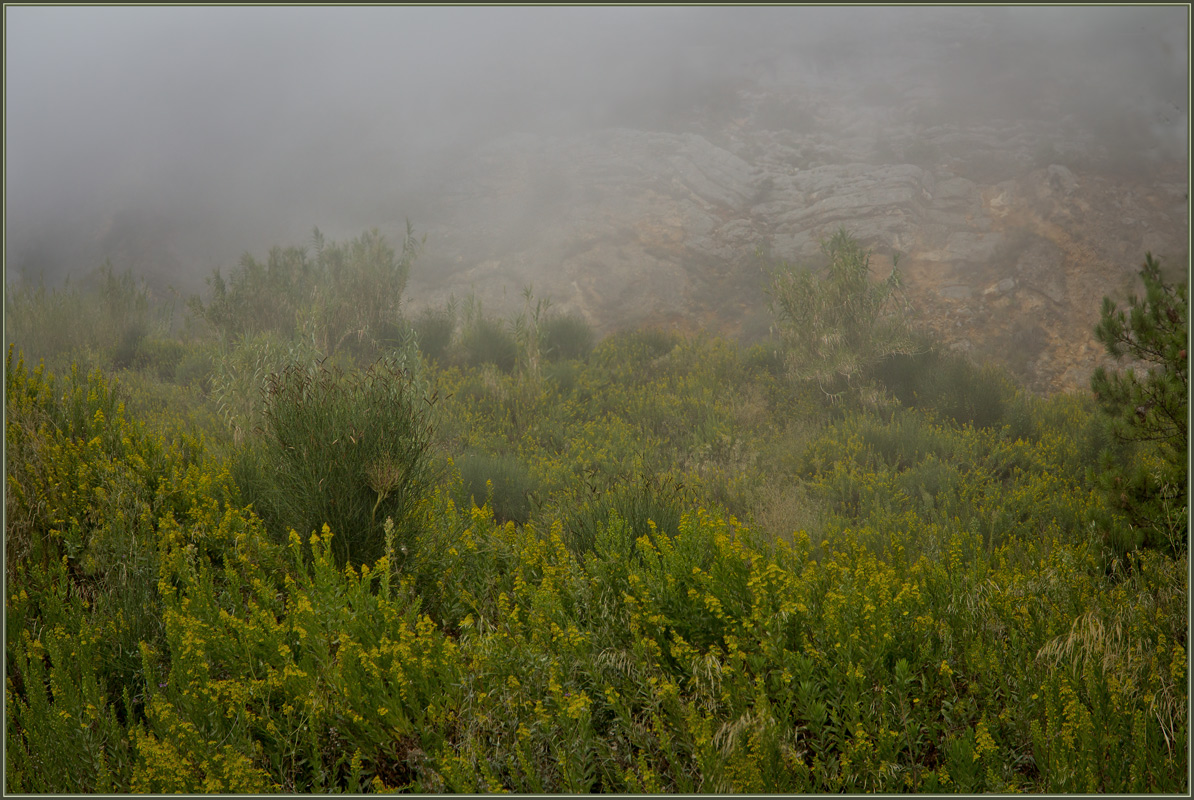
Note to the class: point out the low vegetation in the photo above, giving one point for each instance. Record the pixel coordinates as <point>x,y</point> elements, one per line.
<point>298,543</point>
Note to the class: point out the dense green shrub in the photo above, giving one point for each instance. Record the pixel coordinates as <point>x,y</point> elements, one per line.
<point>344,449</point>
<point>88,491</point>
<point>488,341</point>
<point>84,488</point>
<point>332,682</point>
<point>764,356</point>
<point>434,329</point>
<point>637,346</point>
<point>563,376</point>
<point>950,384</point>
<point>160,356</point>
<point>645,503</point>
<point>127,351</point>
<point>501,481</point>
<point>194,369</point>
<point>566,337</point>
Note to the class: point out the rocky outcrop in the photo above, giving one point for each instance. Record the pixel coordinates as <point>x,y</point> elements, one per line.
<point>1009,232</point>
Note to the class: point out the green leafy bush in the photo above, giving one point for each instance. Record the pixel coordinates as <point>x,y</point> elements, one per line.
<point>332,682</point>
<point>88,490</point>
<point>563,376</point>
<point>764,357</point>
<point>160,356</point>
<point>635,346</point>
<point>194,369</point>
<point>84,489</point>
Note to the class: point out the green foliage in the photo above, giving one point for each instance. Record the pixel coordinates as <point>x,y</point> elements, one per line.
<point>764,357</point>
<point>528,331</point>
<point>65,733</point>
<point>500,481</point>
<point>194,369</point>
<point>685,574</point>
<point>838,327</point>
<point>160,356</point>
<point>241,375</point>
<point>48,324</point>
<point>434,329</point>
<point>485,340</point>
<point>343,295</point>
<point>106,317</point>
<point>87,493</point>
<point>951,384</point>
<point>363,302</point>
<point>84,489</point>
<point>567,337</point>
<point>344,449</point>
<point>641,344</point>
<point>1149,408</point>
<point>258,297</point>
<point>335,682</point>
<point>644,503</point>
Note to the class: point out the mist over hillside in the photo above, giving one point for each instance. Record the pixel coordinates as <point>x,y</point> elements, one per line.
<point>551,146</point>
<point>768,400</point>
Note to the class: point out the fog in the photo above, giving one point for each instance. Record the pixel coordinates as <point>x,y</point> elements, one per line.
<point>173,139</point>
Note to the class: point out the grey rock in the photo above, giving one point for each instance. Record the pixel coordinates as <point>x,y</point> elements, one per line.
<point>1061,179</point>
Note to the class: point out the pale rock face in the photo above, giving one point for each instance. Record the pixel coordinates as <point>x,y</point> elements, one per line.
<point>1009,232</point>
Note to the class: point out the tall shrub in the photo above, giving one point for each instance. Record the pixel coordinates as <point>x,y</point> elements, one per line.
<point>347,450</point>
